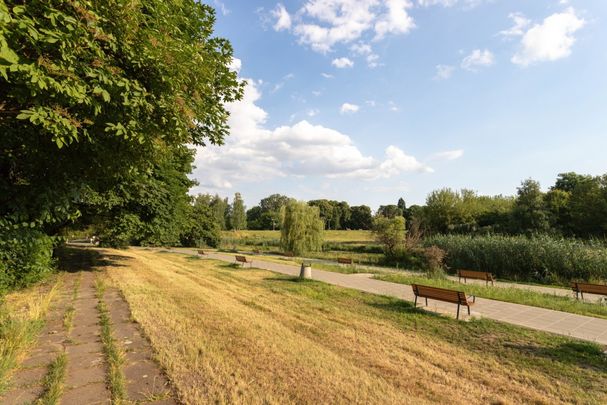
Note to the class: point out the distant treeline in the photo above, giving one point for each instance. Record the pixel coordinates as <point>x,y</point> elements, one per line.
<point>576,205</point>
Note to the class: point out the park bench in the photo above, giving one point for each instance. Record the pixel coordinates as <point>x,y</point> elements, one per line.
<point>479,275</point>
<point>256,251</point>
<point>442,294</point>
<point>201,252</point>
<point>289,254</point>
<point>581,288</point>
<point>344,260</point>
<point>243,260</point>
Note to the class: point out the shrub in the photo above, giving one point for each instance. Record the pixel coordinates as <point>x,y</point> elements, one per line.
<point>25,257</point>
<point>390,233</point>
<point>540,258</point>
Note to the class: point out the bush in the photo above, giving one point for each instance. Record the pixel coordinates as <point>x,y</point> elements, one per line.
<point>539,259</point>
<point>25,257</point>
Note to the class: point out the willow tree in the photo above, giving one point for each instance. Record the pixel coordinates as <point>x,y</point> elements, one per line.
<point>302,229</point>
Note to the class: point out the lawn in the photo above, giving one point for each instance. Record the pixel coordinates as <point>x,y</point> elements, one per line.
<point>230,335</point>
<point>508,294</point>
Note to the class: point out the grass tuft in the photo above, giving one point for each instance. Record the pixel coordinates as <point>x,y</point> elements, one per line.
<point>53,381</point>
<point>113,354</point>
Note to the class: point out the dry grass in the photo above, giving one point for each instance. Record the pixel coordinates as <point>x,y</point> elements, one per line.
<point>329,236</point>
<point>227,335</point>
<point>21,319</point>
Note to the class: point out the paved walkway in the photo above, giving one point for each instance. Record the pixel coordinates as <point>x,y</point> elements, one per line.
<point>563,323</point>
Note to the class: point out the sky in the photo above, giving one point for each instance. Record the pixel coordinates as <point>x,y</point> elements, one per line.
<point>367,101</point>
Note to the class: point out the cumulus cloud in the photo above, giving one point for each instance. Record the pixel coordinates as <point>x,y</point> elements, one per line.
<point>283,18</point>
<point>520,24</point>
<point>478,58</point>
<point>255,152</point>
<point>451,3</point>
<point>342,63</point>
<point>450,154</point>
<point>444,72</point>
<point>549,41</point>
<point>321,24</point>
<point>327,75</point>
<point>347,108</point>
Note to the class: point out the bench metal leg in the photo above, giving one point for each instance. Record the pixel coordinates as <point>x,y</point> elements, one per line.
<point>457,317</point>
<point>468,310</point>
<point>582,294</point>
<point>426,301</point>
<point>415,301</point>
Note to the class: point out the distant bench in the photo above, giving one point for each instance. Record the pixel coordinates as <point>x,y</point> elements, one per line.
<point>442,294</point>
<point>478,275</point>
<point>289,254</point>
<point>256,251</point>
<point>201,252</point>
<point>243,260</point>
<point>581,288</point>
<point>344,260</point>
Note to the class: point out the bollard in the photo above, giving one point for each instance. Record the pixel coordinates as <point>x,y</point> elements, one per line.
<point>306,271</point>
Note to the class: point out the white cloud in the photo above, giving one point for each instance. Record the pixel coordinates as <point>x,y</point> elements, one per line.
<point>396,20</point>
<point>392,106</point>
<point>283,18</point>
<point>342,63</point>
<point>313,112</point>
<point>222,7</point>
<point>322,24</point>
<point>365,50</point>
<point>347,108</point>
<point>520,24</point>
<point>254,152</point>
<point>327,75</point>
<point>444,72</point>
<point>450,154</point>
<point>451,3</point>
<point>477,59</point>
<point>235,65</point>
<point>549,41</point>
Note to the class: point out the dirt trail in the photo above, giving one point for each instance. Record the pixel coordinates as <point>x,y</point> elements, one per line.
<point>86,376</point>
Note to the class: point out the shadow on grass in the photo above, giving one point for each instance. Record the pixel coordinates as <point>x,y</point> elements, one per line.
<point>400,306</point>
<point>292,279</point>
<point>74,259</point>
<point>581,354</point>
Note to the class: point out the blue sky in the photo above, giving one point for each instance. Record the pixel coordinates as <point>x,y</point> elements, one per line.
<point>371,100</point>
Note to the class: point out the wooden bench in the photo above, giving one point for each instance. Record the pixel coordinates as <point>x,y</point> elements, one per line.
<point>442,294</point>
<point>201,252</point>
<point>289,254</point>
<point>581,288</point>
<point>243,260</point>
<point>344,260</point>
<point>479,275</point>
<point>256,251</point>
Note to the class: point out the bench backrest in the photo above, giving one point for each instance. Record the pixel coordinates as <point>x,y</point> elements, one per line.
<point>442,294</point>
<point>589,288</point>
<point>481,275</point>
<point>344,260</point>
<point>241,259</point>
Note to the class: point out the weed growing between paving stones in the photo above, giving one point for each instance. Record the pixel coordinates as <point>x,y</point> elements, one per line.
<point>68,317</point>
<point>113,354</point>
<point>507,294</point>
<point>21,320</point>
<point>53,381</point>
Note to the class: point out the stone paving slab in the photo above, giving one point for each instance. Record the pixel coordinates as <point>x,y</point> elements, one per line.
<point>563,323</point>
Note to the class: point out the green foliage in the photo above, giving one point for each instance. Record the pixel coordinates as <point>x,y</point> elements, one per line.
<point>390,211</point>
<point>25,257</point>
<point>541,259</point>
<point>360,217</point>
<point>390,233</point>
<point>238,216</point>
<point>301,228</point>
<point>529,211</point>
<point>201,228</point>
<point>98,100</point>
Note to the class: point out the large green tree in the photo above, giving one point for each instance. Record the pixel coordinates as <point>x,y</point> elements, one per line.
<point>96,95</point>
<point>301,230</point>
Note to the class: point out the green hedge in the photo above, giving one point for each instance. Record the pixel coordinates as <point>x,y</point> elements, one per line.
<point>25,257</point>
<point>540,259</point>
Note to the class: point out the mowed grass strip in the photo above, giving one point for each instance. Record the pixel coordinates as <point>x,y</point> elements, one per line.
<point>507,294</point>
<point>232,335</point>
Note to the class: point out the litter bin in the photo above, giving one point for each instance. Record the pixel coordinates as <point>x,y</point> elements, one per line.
<point>306,271</point>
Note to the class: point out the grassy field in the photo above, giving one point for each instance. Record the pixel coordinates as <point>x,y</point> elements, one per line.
<point>508,294</point>
<point>227,335</point>
<point>352,237</point>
